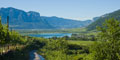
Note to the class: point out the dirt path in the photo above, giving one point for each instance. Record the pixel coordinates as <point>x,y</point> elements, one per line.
<point>35,56</point>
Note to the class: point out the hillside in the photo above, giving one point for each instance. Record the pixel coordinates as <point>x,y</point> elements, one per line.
<point>20,19</point>
<point>61,23</point>
<point>101,19</point>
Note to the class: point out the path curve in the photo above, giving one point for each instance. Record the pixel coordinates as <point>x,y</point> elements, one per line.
<point>35,56</point>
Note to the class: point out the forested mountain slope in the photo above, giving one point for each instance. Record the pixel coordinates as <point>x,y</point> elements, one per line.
<point>101,19</point>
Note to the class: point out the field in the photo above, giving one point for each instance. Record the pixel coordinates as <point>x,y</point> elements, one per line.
<point>84,43</point>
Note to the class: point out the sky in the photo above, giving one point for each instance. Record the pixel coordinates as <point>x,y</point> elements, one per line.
<point>71,9</point>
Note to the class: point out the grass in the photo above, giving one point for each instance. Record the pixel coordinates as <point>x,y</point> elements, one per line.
<point>80,56</point>
<point>84,43</point>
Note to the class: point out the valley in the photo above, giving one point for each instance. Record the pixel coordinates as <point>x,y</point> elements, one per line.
<point>59,30</point>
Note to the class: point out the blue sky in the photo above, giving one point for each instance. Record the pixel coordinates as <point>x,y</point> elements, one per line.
<point>72,9</point>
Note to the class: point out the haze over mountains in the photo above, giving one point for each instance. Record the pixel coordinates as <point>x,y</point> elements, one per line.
<point>20,19</point>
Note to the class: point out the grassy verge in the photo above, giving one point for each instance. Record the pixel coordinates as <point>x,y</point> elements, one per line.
<point>83,43</point>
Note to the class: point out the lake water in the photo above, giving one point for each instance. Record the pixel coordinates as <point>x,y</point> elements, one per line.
<point>50,35</point>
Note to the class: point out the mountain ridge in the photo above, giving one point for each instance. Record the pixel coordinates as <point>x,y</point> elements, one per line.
<point>19,19</point>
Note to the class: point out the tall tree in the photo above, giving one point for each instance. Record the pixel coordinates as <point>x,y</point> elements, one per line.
<point>2,35</point>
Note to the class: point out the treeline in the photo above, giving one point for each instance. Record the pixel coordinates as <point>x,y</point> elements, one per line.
<point>78,37</point>
<point>81,37</point>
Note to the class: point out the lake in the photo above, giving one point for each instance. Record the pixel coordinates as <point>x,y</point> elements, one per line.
<point>50,35</point>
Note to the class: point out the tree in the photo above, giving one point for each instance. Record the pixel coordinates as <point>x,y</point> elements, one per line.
<point>108,45</point>
<point>2,34</point>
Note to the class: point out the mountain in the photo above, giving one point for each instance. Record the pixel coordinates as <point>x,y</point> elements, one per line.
<point>20,19</point>
<point>65,23</point>
<point>100,20</point>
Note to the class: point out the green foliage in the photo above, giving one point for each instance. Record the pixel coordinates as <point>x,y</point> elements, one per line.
<point>16,38</point>
<point>61,49</point>
<point>82,43</point>
<point>55,50</point>
<point>9,37</point>
<point>108,45</point>
<point>2,35</point>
